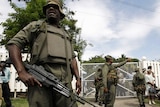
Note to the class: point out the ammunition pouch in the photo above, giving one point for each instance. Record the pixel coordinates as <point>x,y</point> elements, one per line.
<point>112,79</point>
<point>99,84</point>
<point>140,88</point>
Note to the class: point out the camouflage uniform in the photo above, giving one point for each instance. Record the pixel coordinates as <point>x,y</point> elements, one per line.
<point>110,80</point>
<point>99,86</point>
<point>139,86</point>
<point>48,50</point>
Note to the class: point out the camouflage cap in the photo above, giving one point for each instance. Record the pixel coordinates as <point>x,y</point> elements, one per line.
<point>99,69</point>
<point>55,2</point>
<point>108,57</point>
<point>137,69</point>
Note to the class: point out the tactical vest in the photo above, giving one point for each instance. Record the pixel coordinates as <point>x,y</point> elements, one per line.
<point>112,75</point>
<point>139,85</point>
<point>52,45</point>
<point>140,79</point>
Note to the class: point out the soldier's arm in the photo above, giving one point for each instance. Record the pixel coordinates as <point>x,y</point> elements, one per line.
<point>134,81</point>
<point>16,58</point>
<point>105,71</point>
<point>95,77</point>
<point>75,69</point>
<point>122,63</point>
<point>76,74</point>
<point>14,46</point>
<point>144,81</point>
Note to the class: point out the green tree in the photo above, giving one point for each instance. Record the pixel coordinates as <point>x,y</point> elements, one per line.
<point>21,17</point>
<point>123,57</point>
<point>101,59</point>
<point>32,12</point>
<point>95,59</point>
<point>69,24</point>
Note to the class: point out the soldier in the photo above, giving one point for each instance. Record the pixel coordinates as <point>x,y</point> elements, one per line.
<point>99,87</point>
<point>110,80</point>
<point>51,47</point>
<point>139,86</point>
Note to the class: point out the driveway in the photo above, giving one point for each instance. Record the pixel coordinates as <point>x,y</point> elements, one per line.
<point>123,102</point>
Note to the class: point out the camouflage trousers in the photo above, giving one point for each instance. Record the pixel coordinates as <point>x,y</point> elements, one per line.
<point>112,92</point>
<point>140,96</point>
<point>47,97</point>
<point>99,91</point>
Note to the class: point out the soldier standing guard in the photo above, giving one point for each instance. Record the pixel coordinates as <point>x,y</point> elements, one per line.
<point>139,86</point>
<point>99,87</point>
<point>51,47</point>
<point>110,80</point>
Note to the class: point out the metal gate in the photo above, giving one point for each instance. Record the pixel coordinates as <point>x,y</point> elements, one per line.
<point>124,87</point>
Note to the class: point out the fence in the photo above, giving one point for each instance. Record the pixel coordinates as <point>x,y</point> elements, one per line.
<point>87,74</point>
<point>124,87</point>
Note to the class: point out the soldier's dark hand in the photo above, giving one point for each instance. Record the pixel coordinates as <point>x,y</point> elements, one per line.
<point>78,86</point>
<point>105,90</point>
<point>28,79</point>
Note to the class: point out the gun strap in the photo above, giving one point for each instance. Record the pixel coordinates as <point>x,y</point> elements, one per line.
<point>67,57</point>
<point>43,40</point>
<point>68,70</point>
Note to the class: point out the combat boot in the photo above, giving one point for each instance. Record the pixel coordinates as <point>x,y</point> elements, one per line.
<point>96,99</point>
<point>100,103</point>
<point>144,104</point>
<point>105,105</point>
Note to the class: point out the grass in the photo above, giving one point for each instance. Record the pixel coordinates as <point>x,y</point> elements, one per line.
<point>158,103</point>
<point>19,102</point>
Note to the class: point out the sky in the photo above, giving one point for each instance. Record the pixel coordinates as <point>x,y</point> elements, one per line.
<point>114,27</point>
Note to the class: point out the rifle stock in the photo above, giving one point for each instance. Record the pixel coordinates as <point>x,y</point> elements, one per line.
<point>49,80</point>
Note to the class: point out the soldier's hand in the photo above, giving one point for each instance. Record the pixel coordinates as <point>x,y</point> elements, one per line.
<point>28,79</point>
<point>105,90</point>
<point>78,86</point>
<point>128,59</point>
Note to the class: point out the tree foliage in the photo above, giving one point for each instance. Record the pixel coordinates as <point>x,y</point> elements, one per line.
<point>32,12</point>
<point>123,57</point>
<point>69,24</point>
<point>21,17</point>
<point>96,59</point>
<point>101,59</point>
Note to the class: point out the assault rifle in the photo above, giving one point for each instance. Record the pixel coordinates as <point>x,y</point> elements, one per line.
<point>49,80</point>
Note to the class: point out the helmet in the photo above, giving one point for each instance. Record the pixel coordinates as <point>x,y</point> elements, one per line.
<point>108,57</point>
<point>55,2</point>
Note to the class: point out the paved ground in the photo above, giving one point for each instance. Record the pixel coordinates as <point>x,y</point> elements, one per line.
<point>124,102</point>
